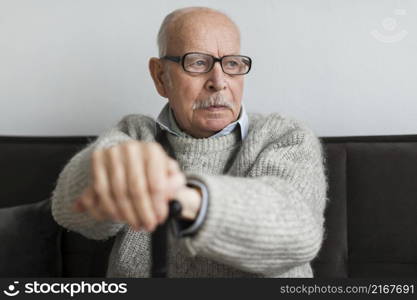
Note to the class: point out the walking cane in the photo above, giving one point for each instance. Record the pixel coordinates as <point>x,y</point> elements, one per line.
<point>159,245</point>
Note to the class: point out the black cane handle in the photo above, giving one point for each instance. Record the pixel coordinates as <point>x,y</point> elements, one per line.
<point>159,245</point>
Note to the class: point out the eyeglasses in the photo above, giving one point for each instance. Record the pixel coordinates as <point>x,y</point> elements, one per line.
<point>195,62</point>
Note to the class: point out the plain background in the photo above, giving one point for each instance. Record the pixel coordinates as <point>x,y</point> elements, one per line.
<point>75,67</point>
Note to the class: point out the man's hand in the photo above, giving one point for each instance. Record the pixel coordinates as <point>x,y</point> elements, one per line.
<point>133,182</point>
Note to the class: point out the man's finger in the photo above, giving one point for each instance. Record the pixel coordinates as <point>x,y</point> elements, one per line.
<point>116,173</point>
<point>156,170</point>
<point>100,181</point>
<point>117,182</point>
<point>138,187</point>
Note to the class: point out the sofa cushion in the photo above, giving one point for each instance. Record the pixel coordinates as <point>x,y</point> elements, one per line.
<point>30,241</point>
<point>382,209</point>
<point>84,257</point>
<point>370,220</point>
<point>332,261</point>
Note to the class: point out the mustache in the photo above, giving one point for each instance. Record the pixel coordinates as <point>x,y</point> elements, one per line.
<point>217,99</point>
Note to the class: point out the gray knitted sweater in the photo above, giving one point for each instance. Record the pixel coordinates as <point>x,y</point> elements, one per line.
<point>267,196</point>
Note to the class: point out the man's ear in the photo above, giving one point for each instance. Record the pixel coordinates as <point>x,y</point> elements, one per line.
<point>156,70</point>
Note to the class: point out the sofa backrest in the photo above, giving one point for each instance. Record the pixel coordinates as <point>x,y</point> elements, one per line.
<point>371,218</point>
<point>29,169</point>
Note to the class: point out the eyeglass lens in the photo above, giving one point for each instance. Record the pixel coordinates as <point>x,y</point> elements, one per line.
<point>201,63</point>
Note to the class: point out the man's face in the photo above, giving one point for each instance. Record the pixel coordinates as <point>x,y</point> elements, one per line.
<point>212,34</point>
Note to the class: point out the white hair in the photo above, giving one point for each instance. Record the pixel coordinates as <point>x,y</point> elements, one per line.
<point>162,39</point>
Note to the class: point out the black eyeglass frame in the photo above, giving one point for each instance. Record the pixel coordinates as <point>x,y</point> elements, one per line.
<point>181,60</point>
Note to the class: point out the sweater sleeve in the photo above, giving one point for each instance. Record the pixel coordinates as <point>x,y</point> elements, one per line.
<point>71,182</point>
<point>272,219</point>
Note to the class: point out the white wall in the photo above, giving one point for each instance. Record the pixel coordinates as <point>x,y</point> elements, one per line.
<point>76,67</point>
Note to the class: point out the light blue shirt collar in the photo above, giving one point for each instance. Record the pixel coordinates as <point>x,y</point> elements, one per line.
<point>166,121</point>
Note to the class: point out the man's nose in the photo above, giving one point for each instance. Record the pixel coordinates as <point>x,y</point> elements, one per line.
<point>216,81</point>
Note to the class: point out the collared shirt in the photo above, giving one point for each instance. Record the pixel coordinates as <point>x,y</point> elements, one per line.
<point>166,120</point>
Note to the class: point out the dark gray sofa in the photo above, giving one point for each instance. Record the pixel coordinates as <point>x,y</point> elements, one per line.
<point>371,219</point>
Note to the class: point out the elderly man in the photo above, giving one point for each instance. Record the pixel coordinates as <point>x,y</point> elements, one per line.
<point>252,187</point>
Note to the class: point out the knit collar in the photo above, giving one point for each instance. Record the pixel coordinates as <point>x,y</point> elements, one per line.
<point>204,145</point>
